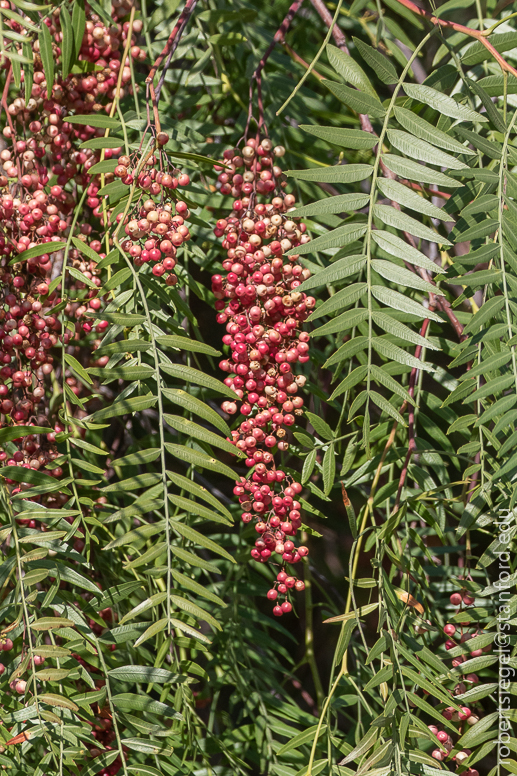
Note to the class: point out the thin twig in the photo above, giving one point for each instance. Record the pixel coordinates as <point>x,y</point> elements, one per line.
<point>171,45</point>
<point>279,37</point>
<point>411,416</point>
<point>480,35</point>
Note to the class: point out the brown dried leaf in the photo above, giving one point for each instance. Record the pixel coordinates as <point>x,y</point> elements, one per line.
<point>408,599</point>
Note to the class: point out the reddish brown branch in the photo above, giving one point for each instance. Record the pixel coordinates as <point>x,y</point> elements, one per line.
<point>340,40</point>
<point>480,35</point>
<point>297,58</point>
<point>434,300</point>
<point>411,416</point>
<point>337,32</point>
<point>418,187</point>
<point>172,41</point>
<point>279,37</point>
<point>154,100</point>
<point>9,117</point>
<point>445,307</point>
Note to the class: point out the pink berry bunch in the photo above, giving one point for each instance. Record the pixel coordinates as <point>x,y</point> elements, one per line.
<point>30,329</point>
<point>102,45</point>
<point>29,332</point>
<point>155,228</point>
<point>259,302</point>
<point>50,148</point>
<point>269,498</point>
<point>465,717</point>
<point>32,219</point>
<point>260,173</point>
<point>35,451</point>
<point>48,141</point>
<point>40,147</point>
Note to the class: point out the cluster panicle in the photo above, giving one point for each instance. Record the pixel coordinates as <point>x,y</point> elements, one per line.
<point>45,163</point>
<point>259,302</point>
<point>156,227</point>
<point>457,635</point>
<point>102,46</point>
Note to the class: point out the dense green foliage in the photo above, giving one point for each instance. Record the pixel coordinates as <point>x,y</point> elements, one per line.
<point>401,150</point>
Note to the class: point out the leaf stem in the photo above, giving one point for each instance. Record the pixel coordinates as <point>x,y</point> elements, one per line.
<point>490,30</point>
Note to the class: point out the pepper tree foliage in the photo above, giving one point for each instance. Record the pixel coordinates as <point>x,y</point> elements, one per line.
<point>130,606</point>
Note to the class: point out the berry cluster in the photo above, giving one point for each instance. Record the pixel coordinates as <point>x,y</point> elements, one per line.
<point>30,329</point>
<point>49,146</point>
<point>259,302</point>
<point>457,635</point>
<point>156,227</point>
<point>41,147</point>
<point>101,46</point>
<point>44,169</point>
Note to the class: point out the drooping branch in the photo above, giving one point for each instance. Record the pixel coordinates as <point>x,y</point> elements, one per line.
<point>279,37</point>
<point>171,45</point>
<point>411,419</point>
<point>480,35</point>
<point>366,126</point>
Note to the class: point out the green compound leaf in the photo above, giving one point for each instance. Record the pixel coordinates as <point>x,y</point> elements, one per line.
<point>350,70</point>
<point>442,103</point>
<point>358,101</point>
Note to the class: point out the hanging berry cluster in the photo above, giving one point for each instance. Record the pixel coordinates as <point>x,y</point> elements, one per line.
<point>41,146</point>
<point>259,302</point>
<point>102,45</point>
<point>50,286</point>
<point>156,226</point>
<point>466,717</point>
